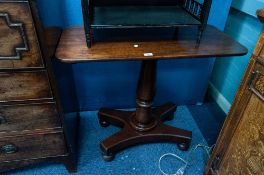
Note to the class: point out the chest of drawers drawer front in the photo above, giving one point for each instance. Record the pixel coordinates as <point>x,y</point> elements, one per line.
<point>31,147</point>
<point>19,47</point>
<point>17,119</point>
<point>23,86</point>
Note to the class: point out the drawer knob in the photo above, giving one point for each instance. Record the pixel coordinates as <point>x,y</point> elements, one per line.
<point>2,120</point>
<point>9,149</point>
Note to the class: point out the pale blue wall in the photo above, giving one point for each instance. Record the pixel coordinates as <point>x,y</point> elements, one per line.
<point>113,84</point>
<point>245,28</point>
<point>248,6</point>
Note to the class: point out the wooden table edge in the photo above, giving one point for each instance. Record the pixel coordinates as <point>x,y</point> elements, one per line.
<point>105,59</point>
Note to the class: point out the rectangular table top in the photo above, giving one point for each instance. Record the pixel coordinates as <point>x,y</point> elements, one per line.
<point>214,43</point>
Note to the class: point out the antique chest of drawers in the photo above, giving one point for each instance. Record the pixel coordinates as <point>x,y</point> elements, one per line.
<point>31,119</point>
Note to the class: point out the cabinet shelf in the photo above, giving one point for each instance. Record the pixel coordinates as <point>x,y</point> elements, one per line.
<point>141,16</point>
<point>123,14</point>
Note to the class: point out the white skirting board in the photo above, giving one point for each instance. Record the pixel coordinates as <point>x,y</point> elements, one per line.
<point>219,98</point>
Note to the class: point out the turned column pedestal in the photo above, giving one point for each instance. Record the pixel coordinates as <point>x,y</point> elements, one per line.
<point>145,125</point>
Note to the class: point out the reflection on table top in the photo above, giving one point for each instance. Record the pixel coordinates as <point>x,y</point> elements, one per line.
<point>146,46</point>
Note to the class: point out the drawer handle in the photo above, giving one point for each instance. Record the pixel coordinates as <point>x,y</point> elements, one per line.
<point>9,149</point>
<point>2,120</point>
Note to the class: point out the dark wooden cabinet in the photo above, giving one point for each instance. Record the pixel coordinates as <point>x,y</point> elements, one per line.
<point>240,147</point>
<point>31,119</point>
<point>132,14</point>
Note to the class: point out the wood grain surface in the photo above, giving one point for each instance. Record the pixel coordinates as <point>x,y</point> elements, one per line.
<point>22,86</point>
<point>28,118</point>
<point>33,146</point>
<point>245,154</point>
<point>52,36</point>
<point>9,37</point>
<point>72,47</point>
<point>31,119</point>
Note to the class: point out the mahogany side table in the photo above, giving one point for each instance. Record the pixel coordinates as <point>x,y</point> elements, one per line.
<point>145,125</point>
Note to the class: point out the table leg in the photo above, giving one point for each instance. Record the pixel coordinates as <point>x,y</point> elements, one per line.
<point>145,125</point>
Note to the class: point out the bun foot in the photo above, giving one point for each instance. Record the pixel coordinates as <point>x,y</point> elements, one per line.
<point>108,157</point>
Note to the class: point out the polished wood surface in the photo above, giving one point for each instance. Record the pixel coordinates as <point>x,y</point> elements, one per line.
<point>70,125</point>
<point>32,126</point>
<point>52,36</point>
<point>10,37</point>
<point>28,119</point>
<point>24,86</point>
<point>73,49</point>
<point>33,146</point>
<point>49,38</point>
<point>239,148</point>
<point>145,125</point>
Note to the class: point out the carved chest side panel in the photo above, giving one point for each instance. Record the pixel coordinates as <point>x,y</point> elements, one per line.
<point>245,154</point>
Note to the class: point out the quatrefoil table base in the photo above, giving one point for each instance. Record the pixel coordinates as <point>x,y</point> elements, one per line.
<point>145,125</point>
<point>128,136</point>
